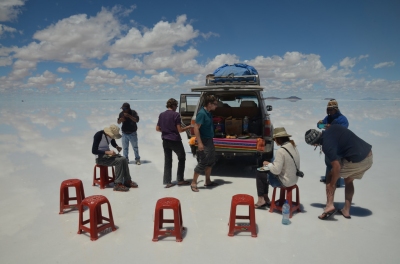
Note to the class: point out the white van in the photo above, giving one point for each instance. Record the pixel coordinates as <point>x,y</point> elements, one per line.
<point>238,98</point>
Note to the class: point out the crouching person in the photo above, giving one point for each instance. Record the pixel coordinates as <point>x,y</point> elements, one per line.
<point>281,172</point>
<point>107,157</point>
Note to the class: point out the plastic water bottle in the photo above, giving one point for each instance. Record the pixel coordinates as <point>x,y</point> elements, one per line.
<point>285,213</point>
<point>246,124</point>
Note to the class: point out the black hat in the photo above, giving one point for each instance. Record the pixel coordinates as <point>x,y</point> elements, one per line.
<point>126,105</point>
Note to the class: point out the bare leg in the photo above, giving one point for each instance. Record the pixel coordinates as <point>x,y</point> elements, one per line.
<point>207,171</point>
<point>330,192</point>
<point>260,201</point>
<point>266,198</point>
<point>194,182</point>
<point>348,195</point>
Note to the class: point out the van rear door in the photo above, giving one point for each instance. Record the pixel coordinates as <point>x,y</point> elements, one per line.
<point>187,108</point>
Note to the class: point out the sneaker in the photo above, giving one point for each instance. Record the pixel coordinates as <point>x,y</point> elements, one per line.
<point>131,184</point>
<point>138,162</point>
<point>119,187</point>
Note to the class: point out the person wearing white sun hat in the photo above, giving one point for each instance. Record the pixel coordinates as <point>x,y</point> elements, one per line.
<point>107,157</point>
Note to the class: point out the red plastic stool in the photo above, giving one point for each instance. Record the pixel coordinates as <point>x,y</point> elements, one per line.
<point>64,194</point>
<point>242,199</point>
<point>95,216</point>
<point>294,205</point>
<point>104,178</point>
<point>175,205</point>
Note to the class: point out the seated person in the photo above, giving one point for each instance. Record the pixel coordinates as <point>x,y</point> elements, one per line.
<point>281,172</point>
<point>107,157</point>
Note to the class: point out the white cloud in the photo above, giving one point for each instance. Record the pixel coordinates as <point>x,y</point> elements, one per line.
<point>155,80</point>
<point>4,29</point>
<point>163,35</point>
<point>379,133</point>
<point>43,80</point>
<point>384,64</point>
<point>348,62</point>
<point>70,85</point>
<point>98,78</point>
<point>76,39</point>
<point>363,56</point>
<point>10,9</point>
<point>63,70</point>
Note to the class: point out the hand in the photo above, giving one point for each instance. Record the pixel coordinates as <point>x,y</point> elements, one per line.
<point>119,149</point>
<point>265,163</point>
<point>110,152</point>
<point>122,119</point>
<point>200,147</point>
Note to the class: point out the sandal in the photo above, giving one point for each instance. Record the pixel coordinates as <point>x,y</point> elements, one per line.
<point>347,217</point>
<point>260,206</point>
<point>194,188</point>
<point>132,184</point>
<point>327,215</point>
<point>184,183</point>
<point>169,185</point>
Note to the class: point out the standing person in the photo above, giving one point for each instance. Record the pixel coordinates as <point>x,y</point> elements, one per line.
<point>204,132</point>
<point>129,119</point>
<point>107,157</point>
<point>334,116</point>
<point>169,124</point>
<point>350,158</point>
<point>280,173</point>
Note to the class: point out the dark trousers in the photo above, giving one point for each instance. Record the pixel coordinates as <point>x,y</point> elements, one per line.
<point>263,180</point>
<point>122,173</point>
<point>177,147</point>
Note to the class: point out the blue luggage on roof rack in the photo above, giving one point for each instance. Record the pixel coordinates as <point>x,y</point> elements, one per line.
<point>237,69</point>
<point>238,73</point>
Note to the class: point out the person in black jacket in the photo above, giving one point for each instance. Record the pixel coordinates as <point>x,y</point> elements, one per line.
<point>107,157</point>
<point>129,119</point>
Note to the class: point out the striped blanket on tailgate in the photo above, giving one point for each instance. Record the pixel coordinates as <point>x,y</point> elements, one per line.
<point>236,144</point>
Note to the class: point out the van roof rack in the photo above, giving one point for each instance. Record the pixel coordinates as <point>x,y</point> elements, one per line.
<point>212,80</point>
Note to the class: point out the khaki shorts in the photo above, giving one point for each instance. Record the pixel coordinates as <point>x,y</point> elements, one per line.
<point>355,170</point>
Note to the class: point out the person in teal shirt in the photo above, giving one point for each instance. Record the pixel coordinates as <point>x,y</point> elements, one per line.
<point>204,132</point>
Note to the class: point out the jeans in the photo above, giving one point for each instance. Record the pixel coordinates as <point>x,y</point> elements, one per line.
<point>126,138</point>
<point>121,168</point>
<point>177,147</point>
<point>263,180</point>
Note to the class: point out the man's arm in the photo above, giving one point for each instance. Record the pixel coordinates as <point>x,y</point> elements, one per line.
<point>182,129</point>
<point>200,145</point>
<point>121,118</point>
<point>158,129</point>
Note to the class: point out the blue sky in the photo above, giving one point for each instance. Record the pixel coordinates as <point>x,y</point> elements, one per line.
<point>155,48</point>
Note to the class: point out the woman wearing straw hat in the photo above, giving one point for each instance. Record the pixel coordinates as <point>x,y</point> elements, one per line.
<point>280,172</point>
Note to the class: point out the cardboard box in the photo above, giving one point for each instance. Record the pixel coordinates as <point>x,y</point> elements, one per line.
<point>233,126</point>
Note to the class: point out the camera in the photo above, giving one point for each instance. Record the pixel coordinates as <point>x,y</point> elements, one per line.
<point>299,174</point>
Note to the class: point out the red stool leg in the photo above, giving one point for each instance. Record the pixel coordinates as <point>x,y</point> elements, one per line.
<point>111,218</point>
<point>157,224</point>
<point>252,216</point>
<point>298,199</point>
<point>232,219</point>
<point>289,199</point>
<point>177,226</point>
<point>273,205</point>
<point>94,175</point>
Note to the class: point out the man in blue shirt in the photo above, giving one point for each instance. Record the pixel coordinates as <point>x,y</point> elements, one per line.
<point>204,132</point>
<point>350,158</point>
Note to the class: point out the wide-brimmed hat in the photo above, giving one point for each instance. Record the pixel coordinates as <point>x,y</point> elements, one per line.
<point>280,132</point>
<point>113,132</point>
<point>312,136</point>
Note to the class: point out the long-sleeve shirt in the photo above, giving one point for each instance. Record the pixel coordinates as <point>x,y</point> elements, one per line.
<point>337,118</point>
<point>283,165</point>
<point>101,143</point>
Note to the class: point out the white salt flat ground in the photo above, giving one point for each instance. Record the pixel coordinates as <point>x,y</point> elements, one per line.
<point>44,143</point>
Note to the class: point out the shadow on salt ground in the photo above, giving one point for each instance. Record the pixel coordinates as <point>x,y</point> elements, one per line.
<point>172,237</point>
<point>245,168</point>
<point>354,210</point>
<point>141,161</point>
<point>220,182</point>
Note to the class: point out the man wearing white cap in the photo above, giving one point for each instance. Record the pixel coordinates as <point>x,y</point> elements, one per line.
<point>107,157</point>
